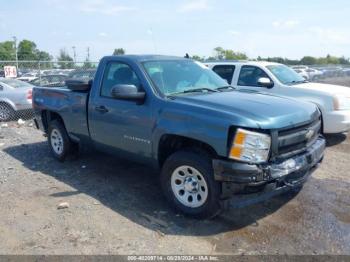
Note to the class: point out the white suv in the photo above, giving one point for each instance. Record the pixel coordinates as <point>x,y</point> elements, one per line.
<point>274,78</point>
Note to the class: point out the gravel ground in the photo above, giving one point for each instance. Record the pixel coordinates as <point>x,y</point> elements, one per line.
<point>344,81</point>
<point>116,207</point>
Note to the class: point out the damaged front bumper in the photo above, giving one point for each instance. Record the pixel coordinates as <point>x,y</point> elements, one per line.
<point>292,172</point>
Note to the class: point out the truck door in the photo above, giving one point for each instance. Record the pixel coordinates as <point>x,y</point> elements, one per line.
<point>119,125</point>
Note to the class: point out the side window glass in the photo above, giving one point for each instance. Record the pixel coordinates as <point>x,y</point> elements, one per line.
<point>55,79</point>
<point>250,75</point>
<point>225,72</point>
<point>117,73</point>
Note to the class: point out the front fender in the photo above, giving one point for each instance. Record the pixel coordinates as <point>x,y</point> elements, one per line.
<point>210,131</point>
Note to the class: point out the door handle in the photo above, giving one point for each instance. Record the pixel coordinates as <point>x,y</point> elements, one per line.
<point>101,109</point>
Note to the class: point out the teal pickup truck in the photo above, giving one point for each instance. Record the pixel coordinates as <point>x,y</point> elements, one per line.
<point>209,141</point>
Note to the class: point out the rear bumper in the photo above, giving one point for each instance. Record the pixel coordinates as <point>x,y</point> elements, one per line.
<point>289,173</point>
<point>336,122</point>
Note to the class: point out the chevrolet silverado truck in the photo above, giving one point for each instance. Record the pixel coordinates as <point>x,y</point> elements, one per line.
<point>208,140</point>
<point>274,78</point>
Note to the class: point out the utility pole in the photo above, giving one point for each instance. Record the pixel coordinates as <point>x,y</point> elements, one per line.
<point>88,54</point>
<point>15,43</point>
<point>74,54</point>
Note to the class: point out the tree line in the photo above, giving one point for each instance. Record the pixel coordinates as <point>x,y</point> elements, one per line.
<point>27,50</point>
<point>228,54</point>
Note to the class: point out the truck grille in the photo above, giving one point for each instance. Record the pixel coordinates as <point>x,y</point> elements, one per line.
<point>296,140</point>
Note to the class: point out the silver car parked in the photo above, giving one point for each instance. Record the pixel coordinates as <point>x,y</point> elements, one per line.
<point>15,97</point>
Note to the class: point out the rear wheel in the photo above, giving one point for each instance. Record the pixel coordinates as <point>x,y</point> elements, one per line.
<point>188,183</point>
<point>6,112</point>
<point>59,141</point>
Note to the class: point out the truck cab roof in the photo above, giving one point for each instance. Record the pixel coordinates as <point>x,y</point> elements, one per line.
<point>240,62</point>
<point>143,58</point>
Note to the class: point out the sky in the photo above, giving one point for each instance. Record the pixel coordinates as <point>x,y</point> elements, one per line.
<point>264,28</point>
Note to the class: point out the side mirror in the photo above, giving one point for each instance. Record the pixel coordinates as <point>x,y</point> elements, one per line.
<point>127,92</point>
<point>265,82</point>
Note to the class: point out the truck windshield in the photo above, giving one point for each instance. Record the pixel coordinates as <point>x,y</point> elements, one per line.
<point>285,74</point>
<point>173,77</point>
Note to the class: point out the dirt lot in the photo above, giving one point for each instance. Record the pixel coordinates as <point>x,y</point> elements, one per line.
<point>117,207</point>
<point>344,81</point>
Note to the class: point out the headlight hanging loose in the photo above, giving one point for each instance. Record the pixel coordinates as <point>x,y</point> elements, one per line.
<point>249,146</point>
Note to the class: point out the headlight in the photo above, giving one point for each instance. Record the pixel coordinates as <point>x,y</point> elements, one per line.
<point>341,103</point>
<point>250,146</point>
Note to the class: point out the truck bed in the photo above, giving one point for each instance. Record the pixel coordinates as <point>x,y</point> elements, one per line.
<point>70,105</point>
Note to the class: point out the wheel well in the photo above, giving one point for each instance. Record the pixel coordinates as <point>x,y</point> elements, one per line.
<point>6,104</point>
<point>48,116</point>
<point>169,144</point>
<point>322,122</point>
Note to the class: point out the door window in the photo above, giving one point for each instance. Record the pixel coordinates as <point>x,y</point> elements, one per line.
<point>225,72</point>
<point>250,75</point>
<point>118,73</point>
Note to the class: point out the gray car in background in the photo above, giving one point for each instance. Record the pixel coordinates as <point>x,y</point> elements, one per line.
<point>15,98</point>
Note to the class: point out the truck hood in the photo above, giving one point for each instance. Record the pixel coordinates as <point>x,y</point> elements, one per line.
<point>326,88</point>
<point>252,110</point>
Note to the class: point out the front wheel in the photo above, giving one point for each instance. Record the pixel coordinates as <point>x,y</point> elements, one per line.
<point>188,183</point>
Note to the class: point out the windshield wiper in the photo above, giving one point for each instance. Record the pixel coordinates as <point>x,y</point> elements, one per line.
<point>297,82</point>
<point>193,90</point>
<point>199,90</point>
<point>225,88</point>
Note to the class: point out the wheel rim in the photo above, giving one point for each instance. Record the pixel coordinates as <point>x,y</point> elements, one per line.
<point>56,141</point>
<point>4,113</point>
<point>189,186</point>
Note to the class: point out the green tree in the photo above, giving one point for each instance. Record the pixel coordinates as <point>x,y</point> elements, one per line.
<point>27,50</point>
<point>228,54</point>
<point>7,50</point>
<point>332,60</point>
<point>308,60</point>
<point>45,59</point>
<point>219,53</point>
<point>198,58</point>
<point>291,61</point>
<point>344,61</point>
<point>280,60</point>
<point>210,58</point>
<point>119,51</point>
<point>87,64</point>
<point>65,61</point>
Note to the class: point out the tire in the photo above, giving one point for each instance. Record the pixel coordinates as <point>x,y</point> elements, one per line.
<point>184,176</point>
<point>6,112</point>
<point>59,142</point>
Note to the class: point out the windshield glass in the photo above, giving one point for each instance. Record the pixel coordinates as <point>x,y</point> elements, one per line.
<point>178,76</point>
<point>15,83</point>
<point>29,75</point>
<point>285,74</point>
